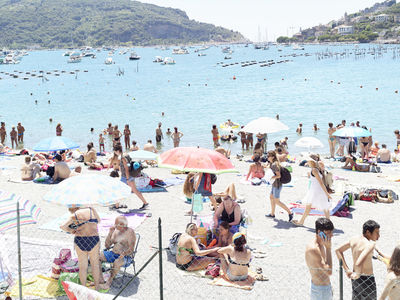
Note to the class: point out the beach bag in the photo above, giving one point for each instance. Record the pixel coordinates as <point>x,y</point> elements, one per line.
<point>142,181</point>
<point>285,176</point>
<point>173,243</point>
<point>213,270</point>
<point>375,169</point>
<point>213,178</point>
<point>63,257</point>
<point>71,266</point>
<point>197,202</point>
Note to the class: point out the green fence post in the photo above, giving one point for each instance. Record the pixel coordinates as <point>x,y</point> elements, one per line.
<point>341,280</point>
<point>160,259</point>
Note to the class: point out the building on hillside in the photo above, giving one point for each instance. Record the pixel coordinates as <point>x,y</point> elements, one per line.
<point>383,18</point>
<point>319,33</point>
<point>345,29</point>
<point>396,18</point>
<point>359,19</point>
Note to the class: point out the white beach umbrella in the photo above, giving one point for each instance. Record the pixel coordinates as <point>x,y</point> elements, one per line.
<point>264,125</point>
<point>309,142</point>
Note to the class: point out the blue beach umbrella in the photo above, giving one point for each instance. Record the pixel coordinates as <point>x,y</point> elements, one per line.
<point>143,154</point>
<point>88,189</point>
<point>352,131</point>
<point>55,143</point>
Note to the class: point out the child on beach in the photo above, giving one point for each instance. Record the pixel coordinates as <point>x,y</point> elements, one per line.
<point>101,143</point>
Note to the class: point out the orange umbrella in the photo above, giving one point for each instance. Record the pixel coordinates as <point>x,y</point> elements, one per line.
<point>192,159</point>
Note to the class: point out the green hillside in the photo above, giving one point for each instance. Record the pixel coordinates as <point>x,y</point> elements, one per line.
<point>72,23</point>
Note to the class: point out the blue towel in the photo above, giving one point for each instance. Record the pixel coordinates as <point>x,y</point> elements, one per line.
<point>150,189</point>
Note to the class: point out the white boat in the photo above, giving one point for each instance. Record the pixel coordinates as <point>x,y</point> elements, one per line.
<point>108,61</point>
<point>297,47</point>
<point>74,59</point>
<point>158,59</point>
<point>227,50</point>
<point>180,51</point>
<point>168,61</point>
<point>201,54</point>
<point>134,56</point>
<point>89,54</point>
<point>11,59</point>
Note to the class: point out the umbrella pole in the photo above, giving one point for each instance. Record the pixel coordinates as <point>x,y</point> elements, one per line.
<point>191,215</point>
<point>19,252</point>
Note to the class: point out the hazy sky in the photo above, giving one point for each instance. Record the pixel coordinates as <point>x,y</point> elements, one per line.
<point>277,17</point>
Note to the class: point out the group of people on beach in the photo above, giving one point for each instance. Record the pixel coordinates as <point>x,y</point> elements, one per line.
<point>16,135</point>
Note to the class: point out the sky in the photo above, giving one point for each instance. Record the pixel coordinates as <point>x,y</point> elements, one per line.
<point>273,17</point>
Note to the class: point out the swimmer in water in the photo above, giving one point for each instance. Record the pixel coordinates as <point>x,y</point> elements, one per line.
<point>35,101</point>
<point>50,120</point>
<point>48,102</point>
<point>168,132</point>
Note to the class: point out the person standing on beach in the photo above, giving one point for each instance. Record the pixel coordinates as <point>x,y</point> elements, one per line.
<point>127,137</point>
<point>116,135</point>
<point>176,137</point>
<point>276,186</point>
<point>319,260</point>
<point>331,139</point>
<point>59,130</point>
<point>3,132</point>
<point>110,129</point>
<point>397,134</point>
<point>101,143</point>
<point>215,136</point>
<point>317,195</point>
<point>13,136</point>
<point>20,130</point>
<point>362,249</point>
<point>159,134</point>
<point>249,138</point>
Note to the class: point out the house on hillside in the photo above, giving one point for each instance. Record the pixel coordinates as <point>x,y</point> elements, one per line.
<point>359,19</point>
<point>383,18</point>
<point>396,18</point>
<point>345,29</point>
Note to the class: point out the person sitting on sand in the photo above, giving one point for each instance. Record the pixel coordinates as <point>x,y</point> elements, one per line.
<point>392,282</point>
<point>189,257</point>
<point>383,155</point>
<point>224,234</point>
<point>396,155</point>
<point>61,169</point>
<point>226,153</point>
<point>374,149</point>
<point>350,163</point>
<point>134,146</point>
<point>114,162</point>
<point>281,154</point>
<point>237,258</point>
<point>228,211</point>
<point>29,170</point>
<point>120,244</point>
<point>90,156</point>
<point>256,170</point>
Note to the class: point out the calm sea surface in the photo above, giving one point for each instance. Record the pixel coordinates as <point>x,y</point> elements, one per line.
<point>96,97</point>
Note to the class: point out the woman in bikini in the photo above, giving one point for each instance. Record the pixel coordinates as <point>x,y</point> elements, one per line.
<point>331,139</point>
<point>59,130</point>
<point>364,145</point>
<point>83,224</point>
<point>237,259</point>
<point>116,135</point>
<point>127,137</point>
<point>176,137</point>
<point>189,257</point>
<point>256,170</point>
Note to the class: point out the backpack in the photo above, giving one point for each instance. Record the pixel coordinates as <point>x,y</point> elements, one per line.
<point>132,171</point>
<point>173,243</point>
<point>285,176</point>
<point>213,178</point>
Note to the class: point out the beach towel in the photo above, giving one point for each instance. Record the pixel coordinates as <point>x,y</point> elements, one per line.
<point>299,208</point>
<point>39,285</point>
<point>151,189</point>
<point>174,181</point>
<point>247,284</point>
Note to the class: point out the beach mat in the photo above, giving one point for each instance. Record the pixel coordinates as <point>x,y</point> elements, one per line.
<point>152,189</point>
<point>173,181</point>
<point>107,220</point>
<point>39,286</point>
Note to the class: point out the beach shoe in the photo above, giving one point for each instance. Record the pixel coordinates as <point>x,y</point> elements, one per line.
<point>290,217</point>
<point>270,216</point>
<point>240,201</point>
<point>114,207</point>
<point>261,277</point>
<point>295,222</point>
<point>259,270</point>
<point>144,206</point>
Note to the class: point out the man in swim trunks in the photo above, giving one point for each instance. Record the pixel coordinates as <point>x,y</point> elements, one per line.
<point>383,155</point>
<point>122,240</point>
<point>362,249</point>
<point>20,130</point>
<point>215,135</point>
<point>116,135</point>
<point>319,260</point>
<point>3,132</point>
<point>61,169</point>
<point>159,134</point>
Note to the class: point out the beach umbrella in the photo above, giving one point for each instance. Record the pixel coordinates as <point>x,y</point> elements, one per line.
<point>264,125</point>
<point>90,189</point>
<point>309,143</point>
<point>28,211</point>
<point>352,131</point>
<point>56,143</point>
<point>192,159</point>
<point>143,154</point>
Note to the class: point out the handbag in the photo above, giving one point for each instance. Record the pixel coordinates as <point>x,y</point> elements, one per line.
<point>63,257</point>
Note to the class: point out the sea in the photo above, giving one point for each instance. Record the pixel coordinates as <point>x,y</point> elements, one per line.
<point>317,85</point>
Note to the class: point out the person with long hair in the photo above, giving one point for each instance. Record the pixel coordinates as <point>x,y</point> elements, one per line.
<point>59,130</point>
<point>127,137</point>
<point>189,257</point>
<point>256,170</point>
<point>317,195</point>
<point>392,283</point>
<point>237,258</point>
<point>199,183</point>
<point>331,139</point>
<point>276,186</point>
<point>176,137</point>
<point>228,211</point>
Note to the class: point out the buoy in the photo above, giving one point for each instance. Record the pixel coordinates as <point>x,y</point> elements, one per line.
<point>331,81</point>
<point>396,91</point>
<point>133,98</point>
<point>234,77</point>
<point>338,82</point>
<point>376,88</point>
<point>305,79</point>
<point>360,86</point>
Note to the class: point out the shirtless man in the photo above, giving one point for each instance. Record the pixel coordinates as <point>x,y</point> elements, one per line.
<point>319,260</point>
<point>20,130</point>
<point>3,132</point>
<point>13,136</point>
<point>149,147</point>
<point>61,169</point>
<point>159,134</point>
<point>299,129</point>
<point>122,239</point>
<point>383,155</point>
<point>362,248</point>
<point>215,135</point>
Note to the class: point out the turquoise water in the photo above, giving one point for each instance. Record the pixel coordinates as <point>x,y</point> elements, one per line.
<point>98,96</point>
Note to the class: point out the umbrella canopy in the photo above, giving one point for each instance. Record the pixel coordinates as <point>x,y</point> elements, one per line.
<point>55,143</point>
<point>90,189</point>
<point>29,212</point>
<point>309,143</point>
<point>192,159</point>
<point>352,131</point>
<point>264,125</point>
<point>143,154</point>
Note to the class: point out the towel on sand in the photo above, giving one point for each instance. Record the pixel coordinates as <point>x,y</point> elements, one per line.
<point>39,285</point>
<point>247,284</point>
<point>299,208</point>
<point>152,189</point>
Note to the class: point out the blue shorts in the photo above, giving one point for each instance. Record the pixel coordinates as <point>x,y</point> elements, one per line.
<point>123,179</point>
<point>321,292</point>
<point>276,192</point>
<point>111,257</point>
